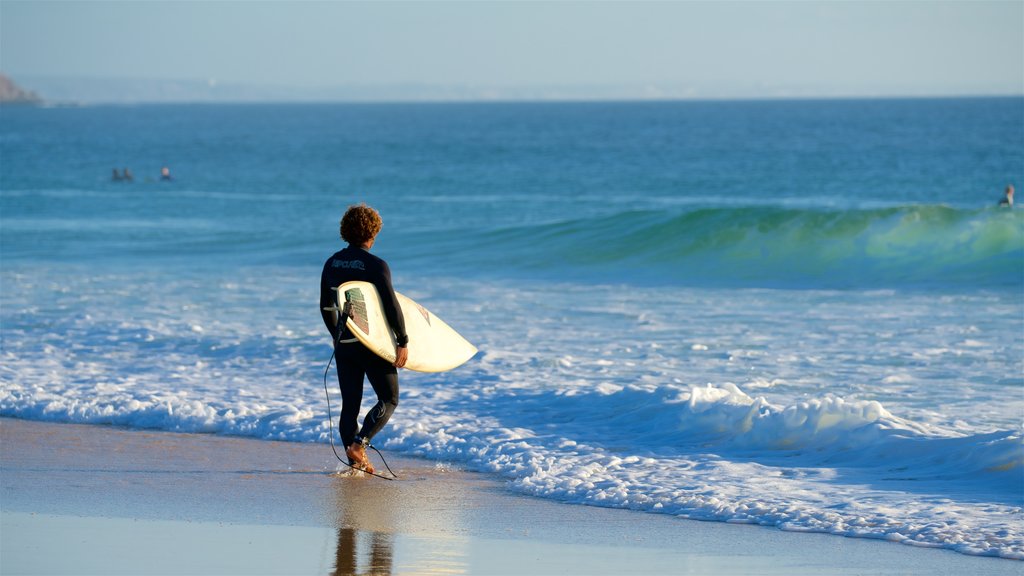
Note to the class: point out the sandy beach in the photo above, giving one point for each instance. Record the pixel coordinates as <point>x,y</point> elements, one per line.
<point>98,500</point>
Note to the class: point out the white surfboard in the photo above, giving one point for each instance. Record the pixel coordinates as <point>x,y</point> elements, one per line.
<point>433,345</point>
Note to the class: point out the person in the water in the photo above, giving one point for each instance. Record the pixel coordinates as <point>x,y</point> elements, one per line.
<point>359,227</point>
<point>1007,200</point>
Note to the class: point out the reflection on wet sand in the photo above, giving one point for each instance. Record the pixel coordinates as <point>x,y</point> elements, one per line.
<point>420,517</point>
<point>381,554</point>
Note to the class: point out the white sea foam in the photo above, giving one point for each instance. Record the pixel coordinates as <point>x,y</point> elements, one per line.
<point>863,414</point>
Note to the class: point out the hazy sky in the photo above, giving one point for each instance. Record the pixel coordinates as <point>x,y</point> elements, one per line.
<point>697,48</point>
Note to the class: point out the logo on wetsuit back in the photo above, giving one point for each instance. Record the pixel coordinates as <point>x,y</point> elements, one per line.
<point>349,264</point>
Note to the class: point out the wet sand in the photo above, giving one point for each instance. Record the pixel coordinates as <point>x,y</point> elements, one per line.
<point>98,500</point>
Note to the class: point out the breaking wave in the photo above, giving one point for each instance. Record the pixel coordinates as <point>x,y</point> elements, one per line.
<point>926,246</point>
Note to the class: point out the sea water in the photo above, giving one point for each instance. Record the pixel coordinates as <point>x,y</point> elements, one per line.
<point>802,314</point>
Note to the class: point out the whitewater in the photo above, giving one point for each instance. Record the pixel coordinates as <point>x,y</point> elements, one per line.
<point>698,406</point>
<point>658,331</point>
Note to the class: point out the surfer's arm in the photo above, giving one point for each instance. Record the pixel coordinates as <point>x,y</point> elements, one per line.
<point>328,300</point>
<point>392,309</point>
<point>331,321</point>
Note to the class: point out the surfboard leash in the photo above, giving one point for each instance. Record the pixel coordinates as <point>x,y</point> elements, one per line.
<point>330,417</point>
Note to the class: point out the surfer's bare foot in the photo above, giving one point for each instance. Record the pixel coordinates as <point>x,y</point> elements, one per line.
<point>356,453</point>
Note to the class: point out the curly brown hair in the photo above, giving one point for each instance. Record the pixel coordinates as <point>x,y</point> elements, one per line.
<point>360,224</point>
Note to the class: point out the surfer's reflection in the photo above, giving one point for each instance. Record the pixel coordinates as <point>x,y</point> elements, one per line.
<point>381,553</point>
<point>373,517</point>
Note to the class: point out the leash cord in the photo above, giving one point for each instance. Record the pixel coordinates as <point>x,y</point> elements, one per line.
<point>330,423</point>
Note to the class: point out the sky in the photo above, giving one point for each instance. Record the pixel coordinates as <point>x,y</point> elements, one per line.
<point>486,49</point>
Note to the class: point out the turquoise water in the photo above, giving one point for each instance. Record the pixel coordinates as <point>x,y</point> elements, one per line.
<point>805,314</point>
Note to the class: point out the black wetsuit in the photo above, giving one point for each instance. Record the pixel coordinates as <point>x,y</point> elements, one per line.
<point>354,359</point>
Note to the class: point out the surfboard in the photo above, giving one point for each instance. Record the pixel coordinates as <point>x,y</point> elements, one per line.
<point>434,346</point>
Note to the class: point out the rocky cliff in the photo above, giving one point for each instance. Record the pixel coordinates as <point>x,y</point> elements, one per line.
<point>11,93</point>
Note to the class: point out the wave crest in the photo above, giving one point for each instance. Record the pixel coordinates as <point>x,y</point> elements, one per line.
<point>768,246</point>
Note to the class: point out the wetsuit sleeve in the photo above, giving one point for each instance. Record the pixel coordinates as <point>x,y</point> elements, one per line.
<point>328,299</point>
<point>392,309</point>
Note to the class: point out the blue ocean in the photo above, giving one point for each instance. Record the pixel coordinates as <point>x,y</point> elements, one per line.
<point>799,314</point>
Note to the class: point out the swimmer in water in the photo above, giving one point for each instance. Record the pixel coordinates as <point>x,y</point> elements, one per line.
<point>1007,201</point>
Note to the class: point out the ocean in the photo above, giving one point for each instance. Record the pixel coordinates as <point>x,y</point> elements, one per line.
<point>800,314</point>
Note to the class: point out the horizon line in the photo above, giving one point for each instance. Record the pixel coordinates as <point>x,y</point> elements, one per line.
<point>81,90</point>
<point>53,103</point>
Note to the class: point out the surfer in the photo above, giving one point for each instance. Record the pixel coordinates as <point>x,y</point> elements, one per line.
<point>1007,200</point>
<point>359,227</point>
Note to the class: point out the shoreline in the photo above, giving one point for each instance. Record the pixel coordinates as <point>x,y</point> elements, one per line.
<point>115,501</point>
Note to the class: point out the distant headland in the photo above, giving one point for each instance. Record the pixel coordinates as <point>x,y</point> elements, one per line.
<point>11,93</point>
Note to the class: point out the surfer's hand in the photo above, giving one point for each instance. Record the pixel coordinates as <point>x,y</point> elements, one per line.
<point>401,356</point>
